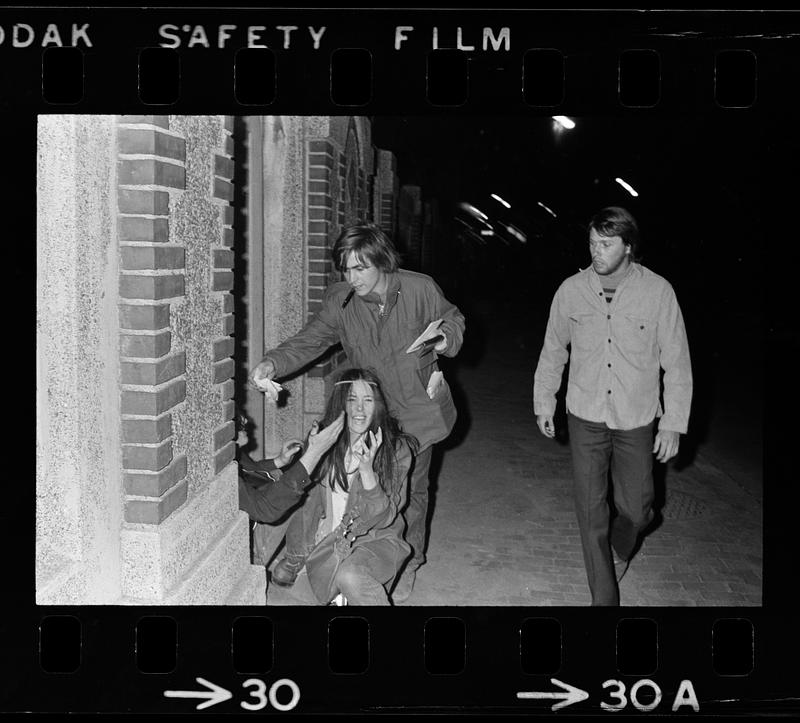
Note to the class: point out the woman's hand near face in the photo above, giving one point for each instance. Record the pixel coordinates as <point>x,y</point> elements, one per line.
<point>365,451</point>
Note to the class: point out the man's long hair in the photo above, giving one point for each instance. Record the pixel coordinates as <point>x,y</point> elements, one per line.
<point>367,242</point>
<point>618,221</point>
<point>332,468</point>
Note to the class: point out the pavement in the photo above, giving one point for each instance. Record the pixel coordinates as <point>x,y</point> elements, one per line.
<point>503,529</point>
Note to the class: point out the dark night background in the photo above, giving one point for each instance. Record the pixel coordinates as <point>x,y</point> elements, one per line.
<point>698,180</point>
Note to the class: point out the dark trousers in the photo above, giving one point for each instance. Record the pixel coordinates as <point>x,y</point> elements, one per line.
<point>630,455</point>
<point>416,513</point>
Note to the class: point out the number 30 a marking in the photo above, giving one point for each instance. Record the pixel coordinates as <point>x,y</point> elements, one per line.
<point>684,697</point>
<point>263,700</point>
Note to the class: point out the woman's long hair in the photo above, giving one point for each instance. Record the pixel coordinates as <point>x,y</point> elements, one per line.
<point>332,468</point>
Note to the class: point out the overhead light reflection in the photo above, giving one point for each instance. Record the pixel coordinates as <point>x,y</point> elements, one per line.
<point>515,232</point>
<point>564,121</point>
<point>487,232</point>
<point>549,210</point>
<point>500,200</point>
<point>630,189</point>
<point>474,211</point>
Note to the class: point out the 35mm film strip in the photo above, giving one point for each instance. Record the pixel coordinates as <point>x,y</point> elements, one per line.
<point>185,173</point>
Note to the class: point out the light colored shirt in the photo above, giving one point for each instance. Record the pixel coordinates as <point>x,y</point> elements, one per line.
<point>617,350</point>
<point>338,505</point>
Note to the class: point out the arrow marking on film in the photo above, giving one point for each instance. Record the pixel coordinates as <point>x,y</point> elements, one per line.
<point>215,694</point>
<point>570,694</point>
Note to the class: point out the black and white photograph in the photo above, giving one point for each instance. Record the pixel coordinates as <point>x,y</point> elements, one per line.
<point>403,360</point>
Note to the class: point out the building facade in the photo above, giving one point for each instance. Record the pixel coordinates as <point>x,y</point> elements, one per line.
<point>171,251</point>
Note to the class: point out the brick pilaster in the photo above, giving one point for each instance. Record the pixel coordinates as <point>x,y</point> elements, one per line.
<point>222,281</point>
<point>322,202</point>
<point>223,446</point>
<point>151,165</point>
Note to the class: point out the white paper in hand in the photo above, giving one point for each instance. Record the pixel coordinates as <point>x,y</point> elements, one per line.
<point>269,388</point>
<point>434,383</point>
<point>430,332</point>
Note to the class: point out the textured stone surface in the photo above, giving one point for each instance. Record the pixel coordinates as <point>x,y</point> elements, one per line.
<point>221,571</point>
<point>156,559</point>
<point>284,263</point>
<point>251,588</point>
<point>78,486</point>
<point>195,321</point>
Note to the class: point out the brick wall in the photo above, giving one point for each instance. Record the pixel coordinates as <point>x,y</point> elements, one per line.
<point>152,169</point>
<point>152,376</point>
<point>325,218</point>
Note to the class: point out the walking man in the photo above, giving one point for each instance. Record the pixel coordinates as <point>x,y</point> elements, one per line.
<point>376,314</point>
<point>623,325</point>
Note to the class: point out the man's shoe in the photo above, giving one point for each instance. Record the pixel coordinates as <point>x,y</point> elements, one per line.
<point>402,590</point>
<point>286,571</point>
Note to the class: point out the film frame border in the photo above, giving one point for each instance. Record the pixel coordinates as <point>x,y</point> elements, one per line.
<point>774,623</point>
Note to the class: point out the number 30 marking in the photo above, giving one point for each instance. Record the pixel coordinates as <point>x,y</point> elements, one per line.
<point>263,700</point>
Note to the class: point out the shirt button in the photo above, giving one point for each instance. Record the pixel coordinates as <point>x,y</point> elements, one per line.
<point>608,317</point>
<point>609,341</point>
<point>609,391</point>
<point>609,365</point>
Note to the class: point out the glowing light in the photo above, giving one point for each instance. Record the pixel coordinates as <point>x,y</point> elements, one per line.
<point>521,236</point>
<point>514,231</point>
<point>549,210</point>
<point>630,189</point>
<point>487,232</point>
<point>474,211</point>
<point>500,200</point>
<point>564,121</point>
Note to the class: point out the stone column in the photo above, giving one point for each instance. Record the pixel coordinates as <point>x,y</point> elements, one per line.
<point>287,256</point>
<point>78,452</point>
